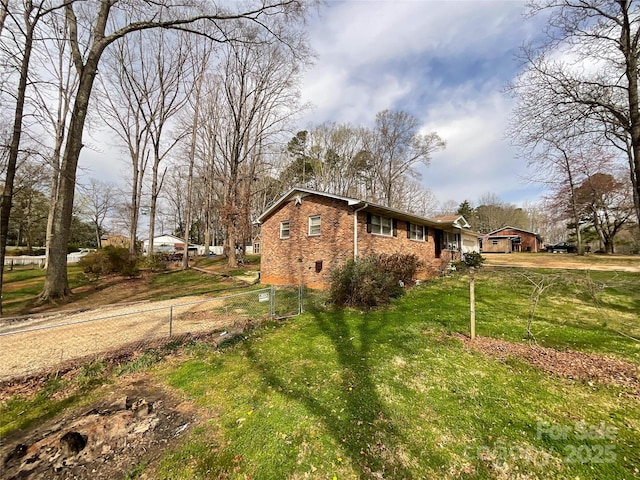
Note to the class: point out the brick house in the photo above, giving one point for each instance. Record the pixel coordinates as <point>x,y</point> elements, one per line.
<point>469,240</point>
<point>511,239</point>
<point>306,234</point>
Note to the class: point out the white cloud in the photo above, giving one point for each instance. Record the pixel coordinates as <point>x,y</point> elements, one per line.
<point>446,63</point>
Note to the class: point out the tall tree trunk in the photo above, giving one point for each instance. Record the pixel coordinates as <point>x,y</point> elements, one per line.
<point>14,146</point>
<point>135,209</point>
<point>629,48</point>
<point>56,284</point>
<point>53,196</point>
<point>574,203</point>
<point>232,218</point>
<point>192,156</point>
<point>152,207</point>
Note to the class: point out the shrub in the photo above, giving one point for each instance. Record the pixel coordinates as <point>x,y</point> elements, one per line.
<point>155,262</point>
<point>401,267</point>
<point>473,259</point>
<point>110,260</point>
<point>372,280</point>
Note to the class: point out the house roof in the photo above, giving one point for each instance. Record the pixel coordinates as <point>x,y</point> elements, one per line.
<point>491,234</point>
<point>457,220</point>
<point>298,193</point>
<point>166,238</point>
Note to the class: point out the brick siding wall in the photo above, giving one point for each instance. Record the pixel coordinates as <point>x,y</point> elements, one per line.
<point>369,243</point>
<point>292,260</point>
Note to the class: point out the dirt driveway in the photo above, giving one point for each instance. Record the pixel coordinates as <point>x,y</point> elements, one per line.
<point>607,263</point>
<point>34,344</point>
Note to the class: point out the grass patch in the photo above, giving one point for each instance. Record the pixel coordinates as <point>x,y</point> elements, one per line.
<point>219,264</point>
<point>136,471</point>
<point>22,286</point>
<point>18,413</point>
<point>593,312</point>
<point>184,282</point>
<point>345,394</point>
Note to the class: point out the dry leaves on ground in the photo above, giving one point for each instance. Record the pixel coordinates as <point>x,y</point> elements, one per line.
<point>576,365</point>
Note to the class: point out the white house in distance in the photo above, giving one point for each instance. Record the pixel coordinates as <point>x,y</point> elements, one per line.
<point>171,244</point>
<point>165,244</point>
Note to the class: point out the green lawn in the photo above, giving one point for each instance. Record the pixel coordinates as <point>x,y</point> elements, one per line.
<point>389,394</point>
<point>588,311</point>
<point>22,285</point>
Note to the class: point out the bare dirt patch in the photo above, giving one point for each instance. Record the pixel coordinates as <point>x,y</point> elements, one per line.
<point>61,336</point>
<point>131,425</point>
<point>570,364</point>
<point>134,422</point>
<point>616,263</point>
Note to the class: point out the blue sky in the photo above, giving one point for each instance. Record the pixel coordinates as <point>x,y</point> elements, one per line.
<point>447,63</point>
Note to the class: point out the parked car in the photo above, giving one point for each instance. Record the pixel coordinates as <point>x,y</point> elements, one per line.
<point>561,247</point>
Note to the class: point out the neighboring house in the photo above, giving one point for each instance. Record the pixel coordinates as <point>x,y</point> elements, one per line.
<point>114,241</point>
<point>165,244</point>
<point>306,234</point>
<point>256,245</point>
<point>511,239</point>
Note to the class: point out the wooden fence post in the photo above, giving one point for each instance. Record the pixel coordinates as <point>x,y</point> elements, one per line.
<point>472,301</point>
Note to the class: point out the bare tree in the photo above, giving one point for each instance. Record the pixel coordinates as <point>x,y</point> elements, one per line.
<point>122,103</point>
<point>606,36</point>
<point>257,98</point>
<point>18,47</point>
<point>376,165</point>
<point>200,55</point>
<point>209,166</point>
<point>96,202</point>
<point>398,148</point>
<point>92,27</point>
<point>29,215</point>
<point>54,98</point>
<point>165,96</point>
<point>557,139</point>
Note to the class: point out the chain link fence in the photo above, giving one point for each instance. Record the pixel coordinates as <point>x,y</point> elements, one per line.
<point>32,344</point>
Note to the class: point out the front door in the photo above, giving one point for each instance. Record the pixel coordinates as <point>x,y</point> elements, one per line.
<point>437,238</point>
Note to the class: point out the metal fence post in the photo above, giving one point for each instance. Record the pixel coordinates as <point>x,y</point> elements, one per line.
<point>170,322</point>
<point>272,302</point>
<point>300,308</point>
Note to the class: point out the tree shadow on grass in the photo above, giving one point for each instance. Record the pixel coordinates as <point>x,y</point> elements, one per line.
<point>364,429</point>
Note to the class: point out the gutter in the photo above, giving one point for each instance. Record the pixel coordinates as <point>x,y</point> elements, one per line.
<point>355,231</point>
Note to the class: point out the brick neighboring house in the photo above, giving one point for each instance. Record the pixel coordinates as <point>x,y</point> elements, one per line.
<point>306,234</point>
<point>511,239</point>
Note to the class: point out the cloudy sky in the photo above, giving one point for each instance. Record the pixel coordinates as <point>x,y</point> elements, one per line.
<point>447,63</point>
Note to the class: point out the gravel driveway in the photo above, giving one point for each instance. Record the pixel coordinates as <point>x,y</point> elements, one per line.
<point>30,344</point>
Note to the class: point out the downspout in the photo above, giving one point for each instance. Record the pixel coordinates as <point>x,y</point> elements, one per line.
<point>355,231</point>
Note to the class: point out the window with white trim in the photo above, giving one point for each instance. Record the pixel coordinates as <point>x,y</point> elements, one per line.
<point>416,232</point>
<point>314,225</point>
<point>381,225</point>
<point>285,229</point>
